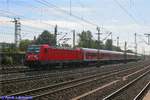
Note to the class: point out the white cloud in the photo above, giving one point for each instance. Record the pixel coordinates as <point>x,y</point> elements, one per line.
<point>128,28</point>
<point>5,21</point>
<point>114,20</point>
<point>62,24</point>
<point>61,9</point>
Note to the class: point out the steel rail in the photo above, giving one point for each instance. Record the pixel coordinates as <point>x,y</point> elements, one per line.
<point>69,82</point>
<point>142,92</point>
<point>6,81</point>
<point>38,76</point>
<point>125,86</point>
<point>97,89</point>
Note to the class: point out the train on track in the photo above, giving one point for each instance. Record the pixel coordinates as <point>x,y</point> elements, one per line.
<point>45,55</point>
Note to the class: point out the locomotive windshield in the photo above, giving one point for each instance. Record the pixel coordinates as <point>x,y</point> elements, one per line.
<point>33,49</point>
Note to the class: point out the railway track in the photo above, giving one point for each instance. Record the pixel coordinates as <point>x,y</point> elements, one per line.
<point>53,90</point>
<point>99,92</point>
<point>18,86</point>
<point>29,74</point>
<point>53,73</point>
<point>39,74</point>
<point>15,85</point>
<point>119,95</point>
<point>15,69</point>
<point>142,93</point>
<point>22,69</point>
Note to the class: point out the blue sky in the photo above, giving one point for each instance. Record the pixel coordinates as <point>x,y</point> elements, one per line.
<point>107,14</point>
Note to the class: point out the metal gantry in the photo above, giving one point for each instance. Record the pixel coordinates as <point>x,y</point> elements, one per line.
<point>148,36</point>
<point>17,31</point>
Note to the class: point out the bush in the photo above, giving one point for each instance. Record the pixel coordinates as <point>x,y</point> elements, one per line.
<point>7,60</point>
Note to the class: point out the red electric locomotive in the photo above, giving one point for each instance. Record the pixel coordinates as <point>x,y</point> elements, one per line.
<point>47,55</point>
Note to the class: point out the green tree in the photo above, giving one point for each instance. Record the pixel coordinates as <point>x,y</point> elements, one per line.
<point>129,51</point>
<point>85,39</point>
<point>24,44</point>
<point>9,48</point>
<point>97,45</point>
<point>66,45</point>
<point>108,44</point>
<point>46,38</point>
<point>116,48</point>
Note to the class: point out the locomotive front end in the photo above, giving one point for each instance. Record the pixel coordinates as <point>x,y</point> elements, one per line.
<point>32,55</point>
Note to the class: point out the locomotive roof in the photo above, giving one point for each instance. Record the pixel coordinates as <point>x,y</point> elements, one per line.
<point>104,51</point>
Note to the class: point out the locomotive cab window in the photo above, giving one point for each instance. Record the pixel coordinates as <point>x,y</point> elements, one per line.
<point>33,49</point>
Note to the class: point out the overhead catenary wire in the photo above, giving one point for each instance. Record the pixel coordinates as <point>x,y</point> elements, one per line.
<point>106,36</point>
<point>126,11</point>
<point>24,18</point>
<point>25,25</point>
<point>140,36</point>
<point>48,4</point>
<point>47,13</point>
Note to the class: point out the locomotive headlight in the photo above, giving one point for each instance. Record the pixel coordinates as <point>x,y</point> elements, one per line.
<point>35,56</point>
<point>28,57</point>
